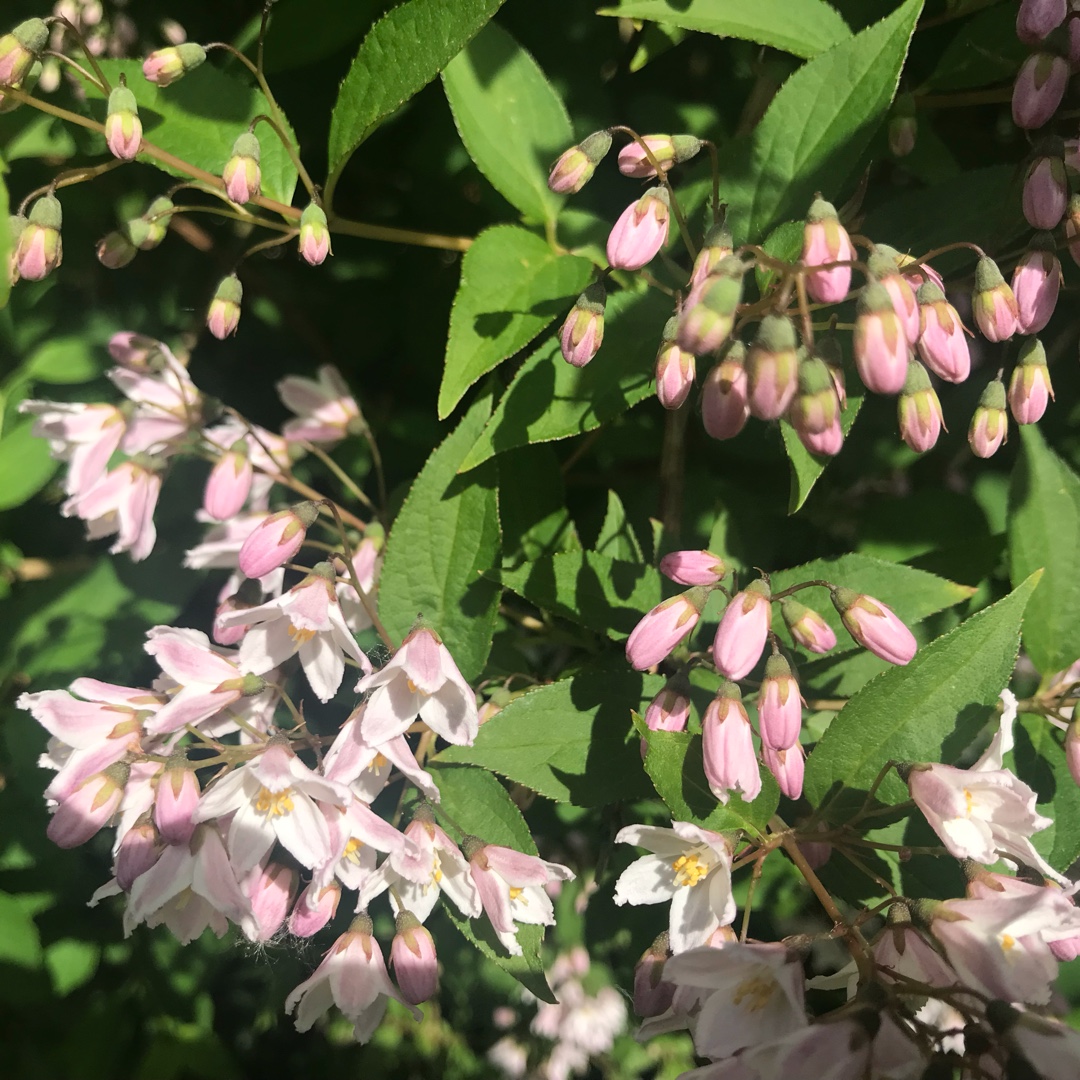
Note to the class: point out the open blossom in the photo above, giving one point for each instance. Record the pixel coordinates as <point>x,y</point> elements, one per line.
<point>421,680</point>
<point>689,866</point>
<point>167,403</point>
<point>367,565</point>
<point>122,502</point>
<point>325,408</point>
<point>84,435</point>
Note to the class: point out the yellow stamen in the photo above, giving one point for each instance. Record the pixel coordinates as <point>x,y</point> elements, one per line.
<point>301,637</point>
<point>352,850</point>
<point>757,992</point>
<point>379,761</point>
<point>969,801</point>
<point>689,870</point>
<point>1008,942</point>
<point>274,803</point>
<point>515,892</point>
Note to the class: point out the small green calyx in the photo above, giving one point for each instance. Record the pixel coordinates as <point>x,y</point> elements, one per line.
<point>362,924</point>
<point>122,100</point>
<point>929,293</point>
<point>47,213</point>
<point>761,587</point>
<point>684,147</point>
<point>820,210</point>
<point>230,290</point>
<point>306,511</point>
<point>729,690</point>
<point>190,55</point>
<point>987,275</point>
<point>917,379</point>
<point>776,667</point>
<point>593,299</point>
<point>472,847</point>
<point>814,376</point>
<point>406,921</point>
<point>776,334</point>
<point>596,146</point>
<point>313,215</point>
<point>874,299</point>
<point>993,397</point>
<point>1032,353</point>
<point>32,35</point>
<point>246,146</point>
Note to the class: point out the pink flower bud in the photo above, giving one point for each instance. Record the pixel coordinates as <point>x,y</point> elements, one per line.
<point>20,48</point>
<point>241,174</point>
<point>724,395</point>
<point>874,626</point>
<point>1072,750</point>
<point>664,627</point>
<point>779,705</point>
<point>89,807</point>
<point>716,247</point>
<point>989,425</point>
<point>670,709</point>
<point>807,627</point>
<point>1036,282</point>
<point>880,344</point>
<point>743,631</point>
<point>1046,193</point>
<point>675,370</point>
<point>1036,18</point>
<point>884,265</point>
<point>652,995</point>
<point>728,747</point>
<point>224,314</point>
<point>668,150</point>
<point>40,251</point>
<point>708,313</point>
<point>1039,88</point>
<point>270,890</point>
<point>575,166</point>
<point>919,410</point>
<point>583,332</point>
<point>229,483</point>
<point>175,801</point>
<point>138,851</point>
<point>827,443</point>
<point>135,351</point>
<point>816,407</point>
<point>276,540</point>
<point>314,908</point>
<point>314,238</point>
<point>640,232</point>
<point>115,250</point>
<point>993,303</point>
<point>772,368</point>
<point>165,66</point>
<point>787,766</point>
<point>412,955</point>
<point>826,241</point>
<point>1030,390</point>
<point>693,567</point>
<point>123,128</point>
<point>942,343</point>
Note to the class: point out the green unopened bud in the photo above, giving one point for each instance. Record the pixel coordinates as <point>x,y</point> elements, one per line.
<point>241,174</point>
<point>575,166</point>
<point>148,231</point>
<point>115,250</point>
<point>20,48</point>
<point>224,314</point>
<point>123,128</point>
<point>989,425</point>
<point>1030,389</point>
<point>816,406</point>
<point>165,66</point>
<point>919,410</point>
<point>314,235</point>
<point>583,331</point>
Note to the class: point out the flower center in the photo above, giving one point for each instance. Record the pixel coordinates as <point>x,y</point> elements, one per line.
<point>1008,942</point>
<point>756,991</point>
<point>515,893</point>
<point>352,850</point>
<point>969,802</point>
<point>274,803</point>
<point>689,870</point>
<point>301,637</point>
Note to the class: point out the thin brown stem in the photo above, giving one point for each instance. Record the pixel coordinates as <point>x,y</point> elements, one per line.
<point>365,600</point>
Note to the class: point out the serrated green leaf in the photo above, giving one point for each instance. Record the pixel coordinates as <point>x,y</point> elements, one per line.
<point>785,243</point>
<point>512,285</point>
<point>473,801</point>
<point>445,535</point>
<point>801,27</point>
<point>198,119</point>
<point>676,767</point>
<point>551,399</point>
<point>25,464</point>
<point>617,539</point>
<point>984,50</point>
<point>1044,522</point>
<point>303,31</point>
<point>806,468</point>
<point>400,55</point>
<point>929,710</point>
<point>571,741</point>
<point>592,590</point>
<point>815,130</point>
<point>510,119</point>
<point>532,506</point>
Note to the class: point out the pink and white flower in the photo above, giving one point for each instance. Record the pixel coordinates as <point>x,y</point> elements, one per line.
<point>123,502</point>
<point>84,435</point>
<point>325,407</point>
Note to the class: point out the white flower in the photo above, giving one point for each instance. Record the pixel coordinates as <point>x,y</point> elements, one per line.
<point>689,866</point>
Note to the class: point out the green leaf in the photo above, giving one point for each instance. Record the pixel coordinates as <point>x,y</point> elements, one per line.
<point>984,50</point>
<point>617,539</point>
<point>510,119</point>
<point>445,535</point>
<point>532,505</point>
<point>198,119</point>
<point>785,243</point>
<point>303,31</point>
<point>401,54</point>
<point>801,27</point>
<point>675,765</point>
<point>473,801</point>
<point>63,360</point>
<point>5,236</point>
<point>807,467</point>
<point>512,286</point>
<point>592,590</point>
<point>20,944</point>
<point>930,710</point>
<point>815,130</point>
<point>1044,522</point>
<point>25,464</point>
<point>571,741</point>
<point>551,399</point>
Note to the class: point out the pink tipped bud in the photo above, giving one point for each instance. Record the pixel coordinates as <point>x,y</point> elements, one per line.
<point>826,241</point>
<point>148,230</point>
<point>1030,390</point>
<point>827,443</point>
<point>717,246</point>
<point>666,150</point>
<point>1046,192</point>
<point>247,596</point>
<point>20,48</point>
<point>725,396</point>
<point>874,626</point>
<point>39,250</point>
<point>727,746</point>
<point>123,128</point>
<point>136,351</point>
<point>815,411</point>
<point>880,343</point>
<point>276,540</point>
<point>640,232</point>
<point>743,631</point>
<point>993,302</point>
<point>314,235</point>
<point>772,368</point>
<point>1039,88</point>
<point>884,265</point>
<point>115,250</point>
<point>807,627</point>
<point>229,483</point>
<point>89,807</point>
<point>919,410</point>
<point>1036,18</point>
<point>175,802</point>
<point>652,995</point>
<point>165,66</point>
<point>412,955</point>
<point>779,705</point>
<point>693,567</point>
<point>583,332</point>
<point>787,767</point>
<point>1072,750</point>
<point>989,425</point>
<point>675,369</point>
<point>664,627</point>
<point>138,851</point>
<point>314,908</point>
<point>942,342</point>
<point>270,890</point>
<point>903,127</point>
<point>708,314</point>
<point>1036,282</point>
<point>575,166</point>
<point>223,316</point>
<point>670,709</point>
<point>241,174</point>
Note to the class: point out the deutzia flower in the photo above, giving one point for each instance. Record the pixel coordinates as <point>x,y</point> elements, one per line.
<point>326,409</point>
<point>84,435</point>
<point>123,502</point>
<point>689,866</point>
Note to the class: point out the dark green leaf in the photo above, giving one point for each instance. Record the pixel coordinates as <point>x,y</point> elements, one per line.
<point>617,539</point>
<point>806,468</point>
<point>532,505</point>
<point>25,464</point>
<point>63,360</point>
<point>984,50</point>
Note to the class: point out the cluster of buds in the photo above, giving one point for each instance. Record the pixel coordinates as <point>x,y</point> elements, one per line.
<point>740,639</point>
